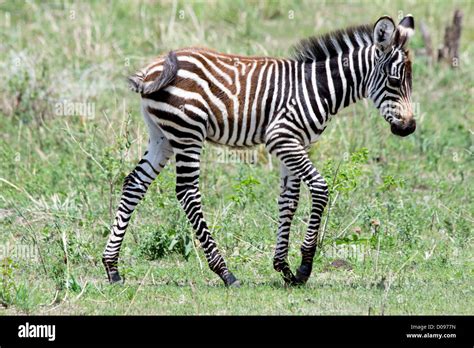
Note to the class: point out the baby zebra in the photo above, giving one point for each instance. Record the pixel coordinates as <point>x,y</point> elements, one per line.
<point>194,94</point>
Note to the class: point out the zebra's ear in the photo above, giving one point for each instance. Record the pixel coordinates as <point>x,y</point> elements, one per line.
<point>383,32</point>
<point>405,30</point>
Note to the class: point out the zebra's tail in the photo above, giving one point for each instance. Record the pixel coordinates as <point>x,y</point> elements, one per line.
<point>170,70</point>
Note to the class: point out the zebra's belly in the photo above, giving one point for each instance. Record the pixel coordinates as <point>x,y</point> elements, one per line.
<point>242,141</point>
<point>218,142</point>
<point>237,130</point>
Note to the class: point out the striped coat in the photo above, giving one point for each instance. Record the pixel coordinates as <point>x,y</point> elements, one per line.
<point>193,95</point>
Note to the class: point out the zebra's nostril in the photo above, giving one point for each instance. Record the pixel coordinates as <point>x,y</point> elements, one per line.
<point>403,128</point>
<point>410,125</point>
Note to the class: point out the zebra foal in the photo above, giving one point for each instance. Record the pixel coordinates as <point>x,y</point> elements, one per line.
<point>192,95</point>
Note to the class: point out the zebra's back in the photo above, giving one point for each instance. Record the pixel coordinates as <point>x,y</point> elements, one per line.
<point>229,98</point>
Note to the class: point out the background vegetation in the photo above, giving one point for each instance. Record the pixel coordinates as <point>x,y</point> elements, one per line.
<point>398,234</point>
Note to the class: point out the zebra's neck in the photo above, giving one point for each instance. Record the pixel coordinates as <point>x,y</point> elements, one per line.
<point>340,67</point>
<point>343,79</point>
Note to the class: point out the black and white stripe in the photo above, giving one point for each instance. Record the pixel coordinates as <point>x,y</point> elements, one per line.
<point>193,95</point>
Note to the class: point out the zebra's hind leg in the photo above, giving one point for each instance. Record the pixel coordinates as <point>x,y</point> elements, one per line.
<point>134,188</point>
<point>188,194</point>
<point>287,204</point>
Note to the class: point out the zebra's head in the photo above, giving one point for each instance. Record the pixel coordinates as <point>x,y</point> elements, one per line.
<point>390,86</point>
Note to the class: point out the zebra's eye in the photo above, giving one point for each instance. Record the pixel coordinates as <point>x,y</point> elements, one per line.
<point>394,81</point>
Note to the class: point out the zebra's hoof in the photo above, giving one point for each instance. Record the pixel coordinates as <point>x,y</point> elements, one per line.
<point>302,274</point>
<point>114,278</point>
<point>235,284</point>
<point>288,277</point>
<point>231,281</point>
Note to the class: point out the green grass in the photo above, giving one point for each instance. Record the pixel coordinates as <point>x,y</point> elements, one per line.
<point>405,205</point>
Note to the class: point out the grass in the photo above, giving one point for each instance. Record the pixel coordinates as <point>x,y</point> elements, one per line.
<point>400,220</point>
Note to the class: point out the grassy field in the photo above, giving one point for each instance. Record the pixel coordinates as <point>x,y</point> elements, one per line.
<point>398,237</point>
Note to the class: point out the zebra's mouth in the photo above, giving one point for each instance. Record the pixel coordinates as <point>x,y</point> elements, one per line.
<point>402,127</point>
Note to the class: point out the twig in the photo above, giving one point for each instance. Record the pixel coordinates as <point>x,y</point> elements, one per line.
<point>253,246</point>
<point>34,239</point>
<point>391,279</point>
<point>385,293</point>
<point>270,217</point>
<point>66,257</point>
<point>83,289</point>
<point>467,217</point>
<point>330,204</point>
<point>350,224</point>
<point>82,149</point>
<point>54,299</point>
<point>378,253</point>
<point>138,289</point>
<point>193,295</point>
<point>19,189</point>
<point>197,254</point>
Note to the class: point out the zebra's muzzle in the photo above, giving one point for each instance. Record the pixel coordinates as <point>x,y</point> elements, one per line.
<point>403,128</point>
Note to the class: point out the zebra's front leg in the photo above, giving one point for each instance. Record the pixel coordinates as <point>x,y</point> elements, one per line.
<point>287,205</point>
<point>134,188</point>
<point>319,199</point>
<point>294,156</point>
<point>188,194</point>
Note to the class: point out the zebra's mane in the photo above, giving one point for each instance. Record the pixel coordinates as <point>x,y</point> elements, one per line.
<point>313,48</point>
